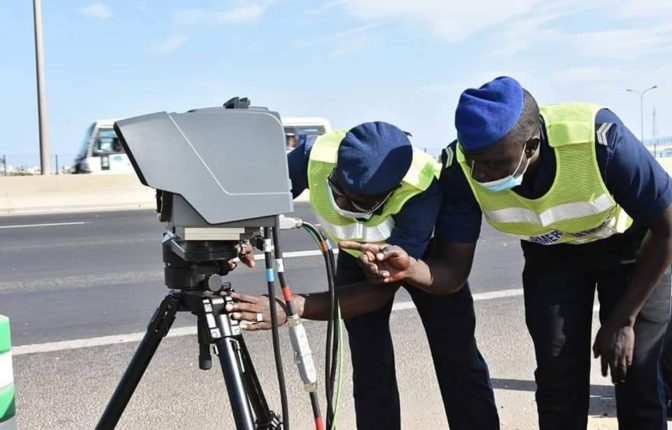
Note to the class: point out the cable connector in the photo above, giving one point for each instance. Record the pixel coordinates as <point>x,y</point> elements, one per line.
<point>303,356</point>
<point>289,223</point>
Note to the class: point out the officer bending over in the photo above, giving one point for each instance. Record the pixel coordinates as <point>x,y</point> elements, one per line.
<point>592,209</point>
<point>368,184</point>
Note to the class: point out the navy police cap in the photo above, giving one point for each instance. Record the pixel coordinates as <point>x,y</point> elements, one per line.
<point>373,158</point>
<point>487,114</point>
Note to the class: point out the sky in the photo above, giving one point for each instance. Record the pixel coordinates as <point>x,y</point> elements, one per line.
<point>351,61</point>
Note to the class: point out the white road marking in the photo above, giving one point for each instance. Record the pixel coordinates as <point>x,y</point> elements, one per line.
<point>191,330</point>
<point>294,254</point>
<point>94,341</point>
<point>42,225</point>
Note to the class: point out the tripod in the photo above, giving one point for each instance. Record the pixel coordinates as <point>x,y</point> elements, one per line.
<point>204,294</point>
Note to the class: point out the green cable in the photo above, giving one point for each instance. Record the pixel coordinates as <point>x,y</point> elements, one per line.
<point>340,368</point>
<point>312,234</point>
<point>315,237</point>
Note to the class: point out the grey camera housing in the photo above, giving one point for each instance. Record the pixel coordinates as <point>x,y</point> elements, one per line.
<point>225,167</point>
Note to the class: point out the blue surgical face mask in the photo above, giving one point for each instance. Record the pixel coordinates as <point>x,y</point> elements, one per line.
<point>507,182</point>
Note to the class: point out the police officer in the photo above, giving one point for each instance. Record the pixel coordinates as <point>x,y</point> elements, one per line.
<point>369,184</point>
<point>592,208</point>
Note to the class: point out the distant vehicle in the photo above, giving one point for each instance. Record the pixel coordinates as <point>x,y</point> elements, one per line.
<point>101,151</point>
<point>297,129</point>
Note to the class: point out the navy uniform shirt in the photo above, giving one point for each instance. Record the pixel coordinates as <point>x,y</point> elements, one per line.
<point>413,225</point>
<point>633,177</point>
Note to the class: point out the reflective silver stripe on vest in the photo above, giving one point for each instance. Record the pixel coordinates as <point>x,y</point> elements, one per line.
<point>359,232</point>
<point>609,228</point>
<point>552,215</point>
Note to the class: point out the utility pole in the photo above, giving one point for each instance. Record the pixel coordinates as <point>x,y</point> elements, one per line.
<point>41,90</point>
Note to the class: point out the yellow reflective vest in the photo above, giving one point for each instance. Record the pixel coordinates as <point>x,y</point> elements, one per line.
<point>577,208</point>
<point>424,169</point>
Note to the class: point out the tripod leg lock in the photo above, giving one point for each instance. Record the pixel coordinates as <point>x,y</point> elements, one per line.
<point>274,423</point>
<point>164,316</point>
<point>214,307</point>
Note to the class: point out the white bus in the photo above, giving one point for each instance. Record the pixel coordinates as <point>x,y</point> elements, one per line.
<point>101,151</point>
<point>298,128</point>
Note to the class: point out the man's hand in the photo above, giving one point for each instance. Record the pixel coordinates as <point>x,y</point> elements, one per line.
<point>245,252</point>
<point>382,263</point>
<point>256,311</point>
<point>615,344</point>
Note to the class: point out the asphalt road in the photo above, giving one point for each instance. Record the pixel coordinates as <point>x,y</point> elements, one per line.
<point>80,288</point>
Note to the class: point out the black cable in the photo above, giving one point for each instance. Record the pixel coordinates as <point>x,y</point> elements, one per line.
<point>291,311</point>
<point>329,386</point>
<point>315,404</point>
<point>331,361</point>
<point>268,258</point>
<point>281,274</point>
<point>337,326</point>
<point>335,315</point>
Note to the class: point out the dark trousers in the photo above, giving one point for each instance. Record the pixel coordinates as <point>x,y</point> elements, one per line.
<point>559,284</point>
<point>666,365</point>
<point>449,323</point>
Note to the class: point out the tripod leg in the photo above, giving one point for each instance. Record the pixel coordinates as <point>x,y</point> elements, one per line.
<point>158,327</point>
<point>228,350</point>
<point>266,418</point>
<point>242,383</point>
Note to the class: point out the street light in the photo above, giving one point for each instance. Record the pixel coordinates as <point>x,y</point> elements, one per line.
<point>641,110</point>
